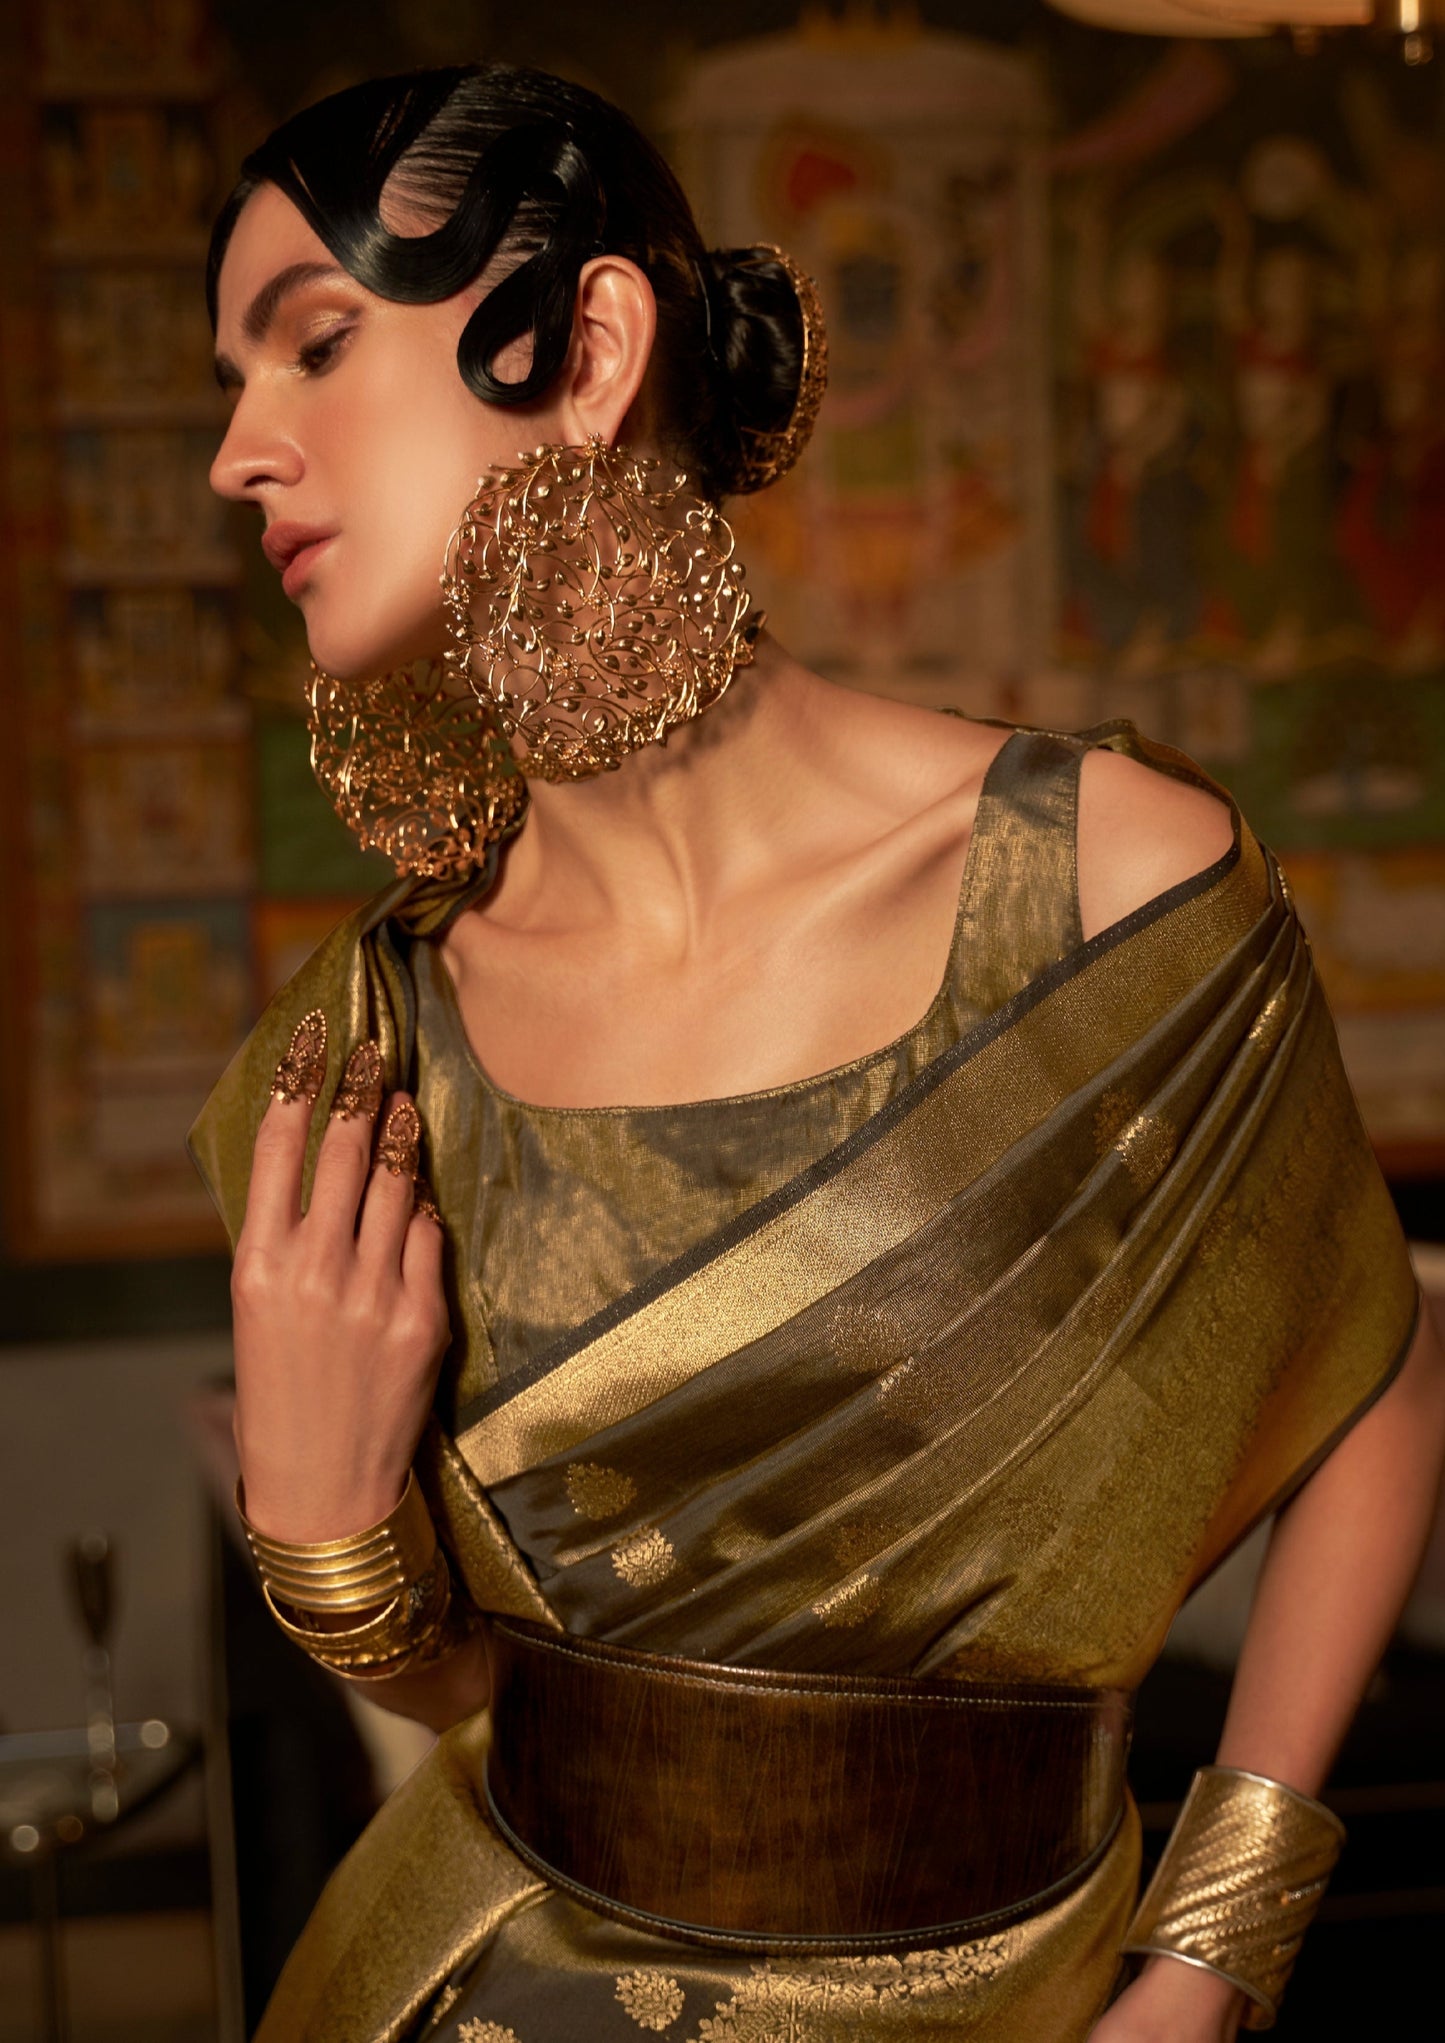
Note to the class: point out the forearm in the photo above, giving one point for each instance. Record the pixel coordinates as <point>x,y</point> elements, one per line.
<point>1340,1565</point>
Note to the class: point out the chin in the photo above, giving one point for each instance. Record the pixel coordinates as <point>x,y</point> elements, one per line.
<point>352,655</point>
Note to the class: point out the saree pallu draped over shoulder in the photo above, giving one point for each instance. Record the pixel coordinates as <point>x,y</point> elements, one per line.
<point>979,1397</point>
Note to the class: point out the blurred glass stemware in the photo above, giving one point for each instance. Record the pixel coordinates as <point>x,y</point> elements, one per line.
<point>92,1576</point>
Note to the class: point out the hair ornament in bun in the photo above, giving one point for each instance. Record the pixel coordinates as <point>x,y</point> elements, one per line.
<point>768,456</point>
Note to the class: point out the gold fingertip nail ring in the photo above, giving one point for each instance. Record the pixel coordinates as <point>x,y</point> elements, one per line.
<point>398,1147</point>
<point>358,1097</point>
<point>302,1071</point>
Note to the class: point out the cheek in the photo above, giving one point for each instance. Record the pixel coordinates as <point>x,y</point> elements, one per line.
<point>421,475</point>
<point>403,493</point>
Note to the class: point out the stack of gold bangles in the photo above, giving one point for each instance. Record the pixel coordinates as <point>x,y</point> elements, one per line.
<point>394,1570</point>
<point>1242,1875</point>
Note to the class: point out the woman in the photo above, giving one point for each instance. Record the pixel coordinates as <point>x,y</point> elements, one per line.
<point>897,1216</point>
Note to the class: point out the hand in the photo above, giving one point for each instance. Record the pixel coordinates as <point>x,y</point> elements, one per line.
<point>340,1316</point>
<point>1173,2003</point>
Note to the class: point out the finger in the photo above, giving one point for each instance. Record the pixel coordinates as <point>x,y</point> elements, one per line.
<point>423,1246</point>
<point>273,1202</point>
<point>390,1195</point>
<point>344,1158</point>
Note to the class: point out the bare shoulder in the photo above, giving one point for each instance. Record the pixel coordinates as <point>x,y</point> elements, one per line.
<point>1140,833</point>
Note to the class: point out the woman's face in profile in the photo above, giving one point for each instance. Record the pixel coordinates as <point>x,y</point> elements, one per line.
<point>354,433</point>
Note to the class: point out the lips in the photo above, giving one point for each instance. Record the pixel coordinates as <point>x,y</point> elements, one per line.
<point>291,548</point>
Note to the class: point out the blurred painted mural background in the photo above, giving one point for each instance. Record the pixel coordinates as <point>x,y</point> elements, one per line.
<point>1138,409</point>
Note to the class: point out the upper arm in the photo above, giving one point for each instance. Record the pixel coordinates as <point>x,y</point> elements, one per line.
<point>1140,833</point>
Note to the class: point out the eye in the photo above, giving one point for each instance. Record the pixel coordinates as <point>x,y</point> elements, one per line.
<point>318,355</point>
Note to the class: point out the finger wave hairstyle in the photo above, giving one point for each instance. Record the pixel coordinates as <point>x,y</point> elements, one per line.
<point>499,162</point>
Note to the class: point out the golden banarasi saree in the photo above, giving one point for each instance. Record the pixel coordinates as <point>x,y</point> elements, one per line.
<point>1094,1268</point>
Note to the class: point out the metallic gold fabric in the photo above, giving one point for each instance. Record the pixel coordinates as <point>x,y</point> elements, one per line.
<point>397,1919</point>
<point>1240,1881</point>
<point>583,1205</point>
<point>1033,1319</point>
<point>882,1194</point>
<point>560,1974</point>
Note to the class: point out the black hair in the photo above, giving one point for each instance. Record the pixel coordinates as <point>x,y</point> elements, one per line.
<point>516,163</point>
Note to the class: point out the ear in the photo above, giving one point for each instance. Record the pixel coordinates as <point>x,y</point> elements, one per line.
<point>613,333</point>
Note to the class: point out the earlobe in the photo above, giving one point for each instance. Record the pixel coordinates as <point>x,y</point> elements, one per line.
<point>615,330</point>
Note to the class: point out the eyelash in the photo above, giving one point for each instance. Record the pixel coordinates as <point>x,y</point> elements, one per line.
<point>317,355</point>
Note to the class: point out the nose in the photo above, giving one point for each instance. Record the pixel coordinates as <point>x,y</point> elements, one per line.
<point>256,453</point>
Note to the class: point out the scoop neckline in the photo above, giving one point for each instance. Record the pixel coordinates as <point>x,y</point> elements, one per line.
<point>793,1086</point>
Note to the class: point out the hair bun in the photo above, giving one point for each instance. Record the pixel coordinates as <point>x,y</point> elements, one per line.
<point>768,338</point>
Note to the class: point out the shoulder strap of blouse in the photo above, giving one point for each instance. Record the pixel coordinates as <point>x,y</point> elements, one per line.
<point>1019,909</point>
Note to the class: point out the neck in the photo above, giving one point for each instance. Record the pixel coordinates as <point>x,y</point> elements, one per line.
<point>677,828</point>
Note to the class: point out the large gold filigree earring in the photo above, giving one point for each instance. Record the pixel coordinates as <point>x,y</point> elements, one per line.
<point>594,608</point>
<point>415,767</point>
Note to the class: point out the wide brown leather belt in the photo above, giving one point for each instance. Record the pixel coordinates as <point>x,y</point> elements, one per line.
<point>796,1813</point>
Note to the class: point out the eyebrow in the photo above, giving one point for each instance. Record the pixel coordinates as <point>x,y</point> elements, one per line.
<point>262,310</point>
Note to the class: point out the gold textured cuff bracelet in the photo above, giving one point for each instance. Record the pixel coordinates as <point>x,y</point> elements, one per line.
<point>1239,1883</point>
<point>356,1573</point>
<point>404,1634</point>
<point>441,1636</point>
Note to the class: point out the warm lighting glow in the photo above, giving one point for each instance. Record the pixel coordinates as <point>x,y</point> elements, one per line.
<point>1286,13</point>
<point>1411,19</point>
<point>1151,17</point>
